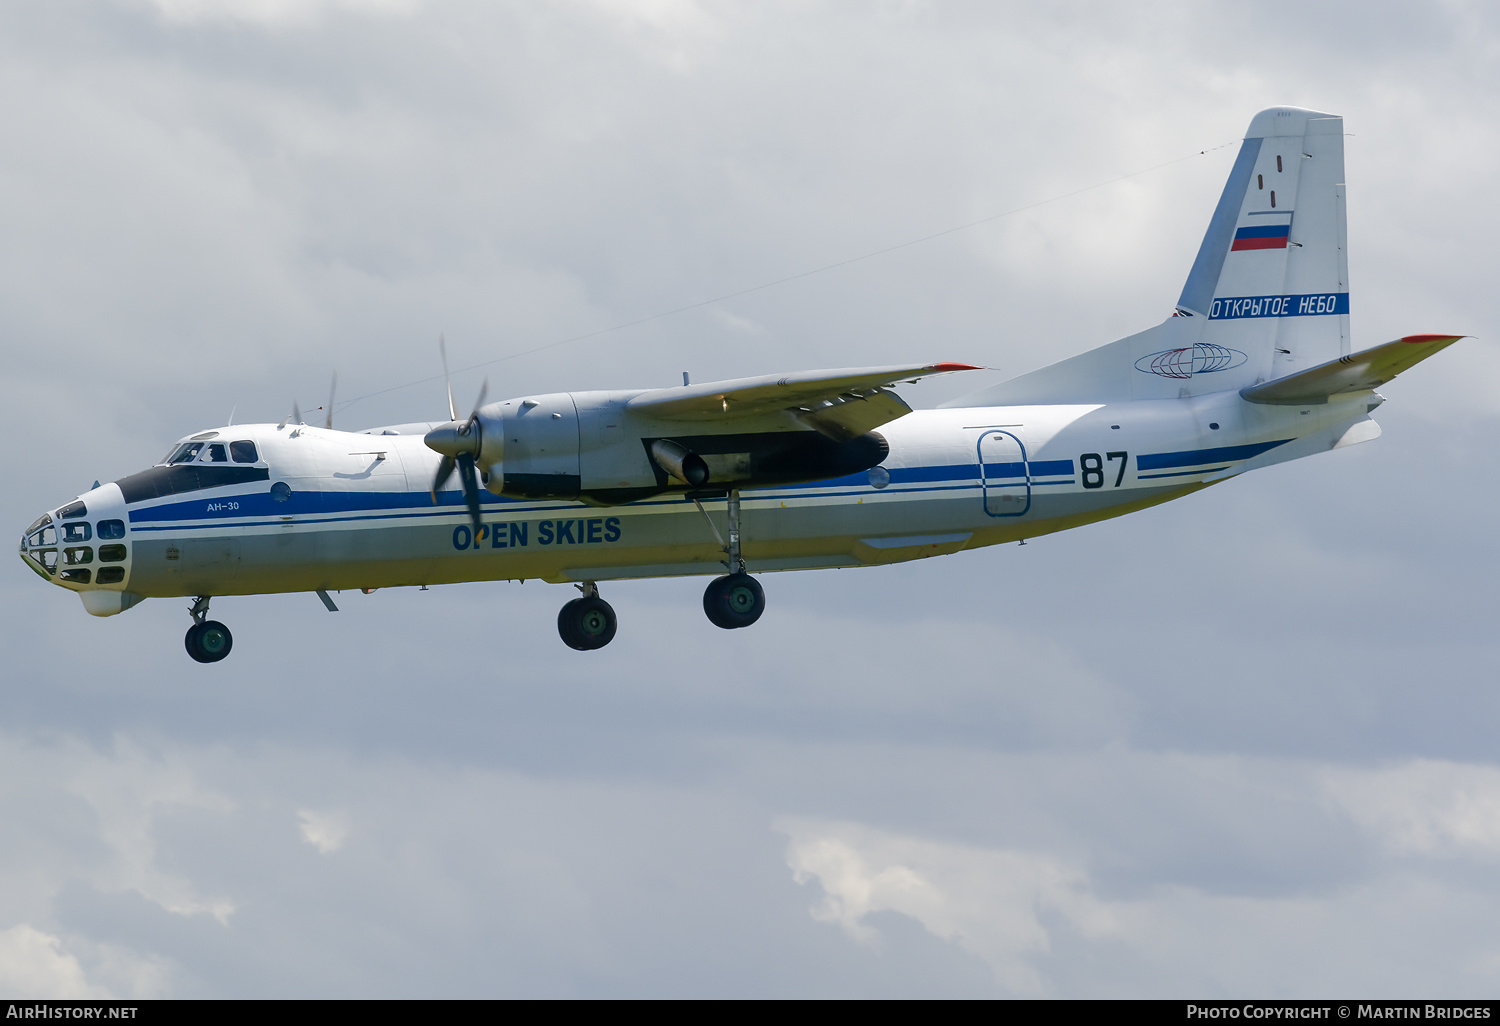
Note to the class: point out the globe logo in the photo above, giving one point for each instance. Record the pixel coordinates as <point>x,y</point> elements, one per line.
<point>1199,358</point>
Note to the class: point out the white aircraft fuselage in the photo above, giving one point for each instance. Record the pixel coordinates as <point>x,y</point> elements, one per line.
<point>356,511</point>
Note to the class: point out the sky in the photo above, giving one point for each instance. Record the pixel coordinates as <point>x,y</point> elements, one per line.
<point>1239,745</point>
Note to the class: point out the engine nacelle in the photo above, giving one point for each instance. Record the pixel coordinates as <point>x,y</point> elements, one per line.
<point>590,446</point>
<point>531,447</point>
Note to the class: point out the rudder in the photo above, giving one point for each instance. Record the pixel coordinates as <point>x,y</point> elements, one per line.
<point>1266,296</point>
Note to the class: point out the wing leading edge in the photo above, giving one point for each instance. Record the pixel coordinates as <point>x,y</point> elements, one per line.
<point>841,404</point>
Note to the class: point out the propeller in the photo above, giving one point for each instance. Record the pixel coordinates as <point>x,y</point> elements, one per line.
<point>459,443</point>
<point>295,417</point>
<point>328,410</point>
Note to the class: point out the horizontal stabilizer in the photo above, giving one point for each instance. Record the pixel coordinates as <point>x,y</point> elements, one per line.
<point>1357,372</point>
<point>838,403</point>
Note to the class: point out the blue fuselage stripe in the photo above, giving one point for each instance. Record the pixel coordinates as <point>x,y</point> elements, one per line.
<point>1198,457</point>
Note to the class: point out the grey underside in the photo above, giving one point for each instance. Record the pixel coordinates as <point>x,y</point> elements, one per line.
<point>667,540</point>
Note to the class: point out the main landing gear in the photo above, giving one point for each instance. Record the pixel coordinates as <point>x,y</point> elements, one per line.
<point>736,599</point>
<point>732,601</point>
<point>588,622</point>
<point>207,640</point>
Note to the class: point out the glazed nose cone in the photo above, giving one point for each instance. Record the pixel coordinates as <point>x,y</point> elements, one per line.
<point>39,547</point>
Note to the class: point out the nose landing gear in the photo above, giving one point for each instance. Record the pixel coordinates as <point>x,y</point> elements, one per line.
<point>207,641</point>
<point>588,622</point>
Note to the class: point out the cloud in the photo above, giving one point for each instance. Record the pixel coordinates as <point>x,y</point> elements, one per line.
<point>34,964</point>
<point>987,902</point>
<point>1046,925</point>
<point>325,831</point>
<point>276,13</point>
<point>1425,806</point>
<point>126,792</point>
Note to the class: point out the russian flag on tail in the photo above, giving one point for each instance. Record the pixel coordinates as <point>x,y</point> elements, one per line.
<point>1270,236</point>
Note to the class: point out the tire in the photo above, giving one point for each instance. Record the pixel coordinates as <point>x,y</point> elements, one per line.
<point>208,642</point>
<point>734,601</point>
<point>586,623</point>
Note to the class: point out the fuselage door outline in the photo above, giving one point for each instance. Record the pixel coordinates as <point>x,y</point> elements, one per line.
<point>1004,474</point>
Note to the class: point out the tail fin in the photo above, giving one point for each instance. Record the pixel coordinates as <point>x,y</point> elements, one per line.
<point>1267,296</point>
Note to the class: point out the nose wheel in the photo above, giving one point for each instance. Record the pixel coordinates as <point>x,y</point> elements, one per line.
<point>588,622</point>
<point>207,641</point>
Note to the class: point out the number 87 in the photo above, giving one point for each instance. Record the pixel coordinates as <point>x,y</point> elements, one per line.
<point>1092,466</point>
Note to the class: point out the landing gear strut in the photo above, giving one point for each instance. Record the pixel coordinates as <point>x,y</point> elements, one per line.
<point>588,622</point>
<point>736,599</point>
<point>207,640</point>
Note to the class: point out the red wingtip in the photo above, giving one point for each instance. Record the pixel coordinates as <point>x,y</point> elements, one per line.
<point>953,367</point>
<point>1431,338</point>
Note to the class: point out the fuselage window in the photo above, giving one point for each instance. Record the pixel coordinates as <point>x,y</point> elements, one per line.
<point>243,452</point>
<point>76,532</point>
<point>281,491</point>
<point>77,576</point>
<point>78,556</point>
<point>111,574</point>
<point>216,453</point>
<point>186,452</point>
<point>111,553</point>
<point>110,529</point>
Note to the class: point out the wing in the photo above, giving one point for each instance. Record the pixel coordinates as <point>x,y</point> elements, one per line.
<point>1356,372</point>
<point>841,404</point>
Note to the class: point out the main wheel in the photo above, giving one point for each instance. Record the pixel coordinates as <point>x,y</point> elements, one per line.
<point>735,600</point>
<point>586,623</point>
<point>208,642</point>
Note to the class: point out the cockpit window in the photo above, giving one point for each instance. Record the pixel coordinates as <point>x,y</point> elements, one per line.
<point>76,532</point>
<point>216,453</point>
<point>186,452</point>
<point>243,452</point>
<point>72,511</point>
<point>159,482</point>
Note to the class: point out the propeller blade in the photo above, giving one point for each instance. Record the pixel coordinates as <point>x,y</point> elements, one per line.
<point>444,471</point>
<point>297,412</point>
<point>484,390</point>
<point>328,417</point>
<point>447,380</point>
<point>471,489</point>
